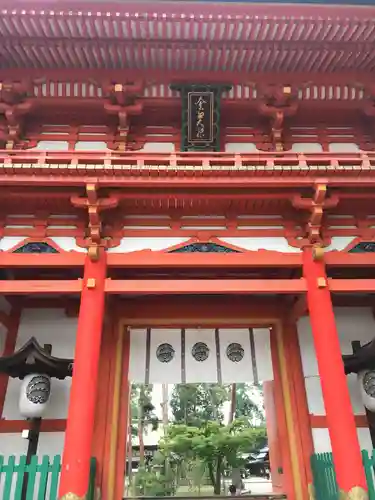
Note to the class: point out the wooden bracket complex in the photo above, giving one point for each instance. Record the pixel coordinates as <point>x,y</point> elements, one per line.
<point>279,102</point>
<point>122,100</point>
<point>15,102</point>
<point>94,206</point>
<point>315,206</point>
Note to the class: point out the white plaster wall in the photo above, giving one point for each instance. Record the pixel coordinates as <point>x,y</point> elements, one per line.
<point>158,147</point>
<point>322,442</point>
<point>136,244</point>
<point>240,147</point>
<point>353,323</point>
<point>48,326</point>
<point>277,244</point>
<point>67,243</point>
<point>50,443</point>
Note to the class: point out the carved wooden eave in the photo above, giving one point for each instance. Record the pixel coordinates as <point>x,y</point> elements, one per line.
<point>362,359</point>
<point>265,38</point>
<point>32,358</point>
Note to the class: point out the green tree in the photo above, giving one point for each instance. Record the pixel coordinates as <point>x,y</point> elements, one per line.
<point>193,404</point>
<point>142,414</point>
<point>246,405</point>
<point>214,444</point>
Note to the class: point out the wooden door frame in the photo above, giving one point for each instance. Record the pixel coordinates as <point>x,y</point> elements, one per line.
<point>151,313</point>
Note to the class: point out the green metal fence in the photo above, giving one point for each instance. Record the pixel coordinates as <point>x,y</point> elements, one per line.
<point>42,478</point>
<point>325,478</point>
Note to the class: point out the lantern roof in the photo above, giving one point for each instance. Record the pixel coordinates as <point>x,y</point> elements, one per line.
<point>362,359</point>
<point>33,358</point>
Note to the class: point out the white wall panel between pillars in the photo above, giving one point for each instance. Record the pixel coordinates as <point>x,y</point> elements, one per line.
<point>178,364</point>
<point>322,441</point>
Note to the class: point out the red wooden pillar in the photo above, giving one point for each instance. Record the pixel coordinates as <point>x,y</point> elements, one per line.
<point>342,428</point>
<point>80,424</point>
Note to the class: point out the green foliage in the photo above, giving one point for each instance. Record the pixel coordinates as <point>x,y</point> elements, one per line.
<point>245,404</point>
<point>213,444</point>
<point>142,410</point>
<point>152,483</point>
<point>193,404</point>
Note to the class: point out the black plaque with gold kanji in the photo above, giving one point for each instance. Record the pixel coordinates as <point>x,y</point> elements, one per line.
<point>200,124</point>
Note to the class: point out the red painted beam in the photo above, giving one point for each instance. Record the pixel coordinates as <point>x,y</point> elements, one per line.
<point>183,287</point>
<point>68,259</point>
<point>205,287</point>
<point>148,259</point>
<point>344,259</point>
<point>352,285</point>
<point>37,287</point>
<point>214,181</point>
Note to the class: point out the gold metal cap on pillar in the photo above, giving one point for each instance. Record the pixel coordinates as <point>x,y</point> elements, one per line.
<point>356,493</point>
<point>318,253</point>
<point>72,496</point>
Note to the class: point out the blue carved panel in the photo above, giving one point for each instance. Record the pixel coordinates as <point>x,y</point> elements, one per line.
<point>36,247</point>
<point>204,248</point>
<point>364,247</point>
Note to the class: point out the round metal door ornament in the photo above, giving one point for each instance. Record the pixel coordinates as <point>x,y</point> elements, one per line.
<point>165,353</point>
<point>235,352</point>
<point>38,389</point>
<point>200,351</point>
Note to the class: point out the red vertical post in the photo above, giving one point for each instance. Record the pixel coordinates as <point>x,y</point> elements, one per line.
<point>342,428</point>
<point>80,424</point>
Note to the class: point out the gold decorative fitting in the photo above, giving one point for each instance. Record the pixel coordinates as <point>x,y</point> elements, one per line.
<point>356,493</point>
<point>91,283</point>
<point>318,253</point>
<point>72,496</point>
<point>93,253</point>
<point>322,282</point>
